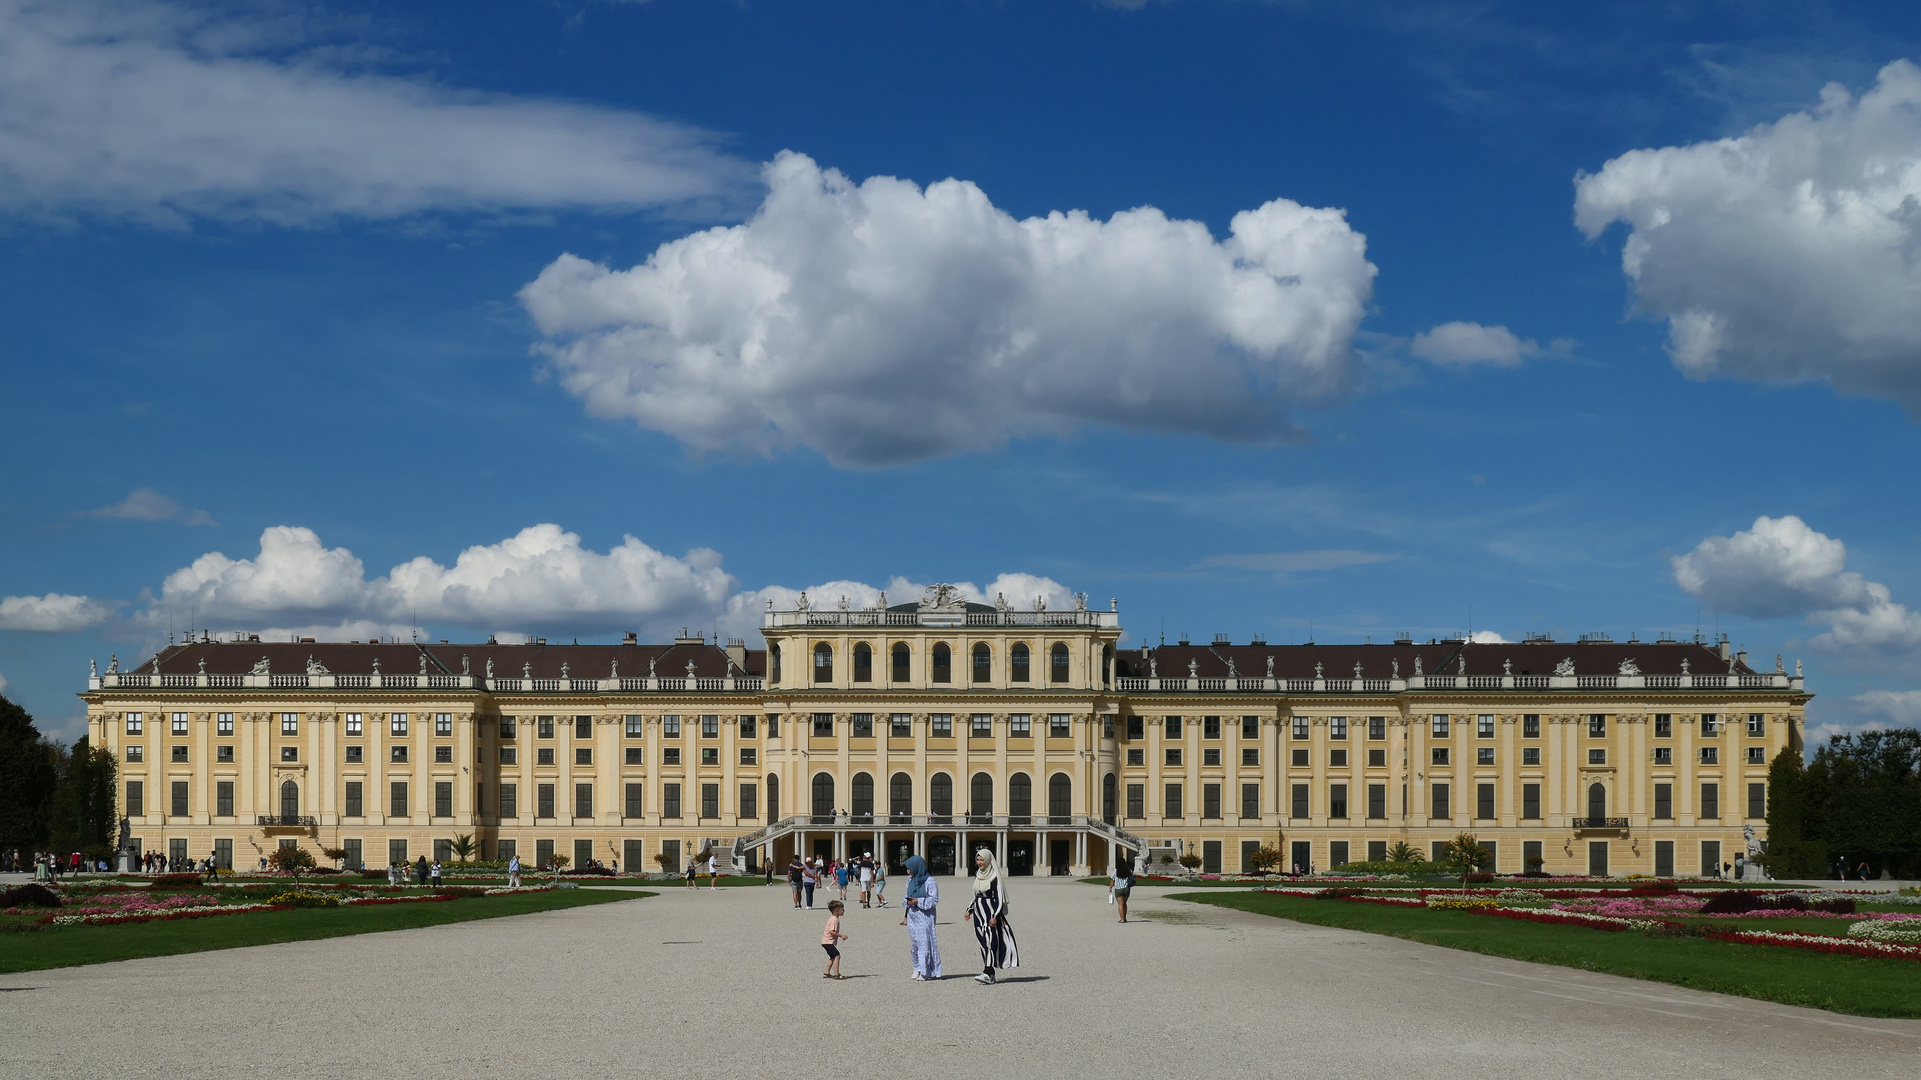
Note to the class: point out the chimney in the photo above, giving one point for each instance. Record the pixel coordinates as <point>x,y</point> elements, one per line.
<point>737,652</point>
<point>1723,647</point>
<point>1742,656</point>
<point>630,638</point>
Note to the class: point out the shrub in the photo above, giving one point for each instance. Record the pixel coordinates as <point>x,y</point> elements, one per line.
<point>29,895</point>
<point>291,860</point>
<point>1837,905</point>
<point>304,900</point>
<point>177,881</point>
<point>590,871</point>
<point>324,870</point>
<point>1343,893</point>
<point>1479,879</point>
<point>372,874</point>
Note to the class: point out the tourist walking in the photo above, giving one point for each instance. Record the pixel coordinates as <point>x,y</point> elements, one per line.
<point>840,878</point>
<point>794,871</point>
<point>513,871</point>
<point>923,903</point>
<point>880,884</point>
<point>809,879</point>
<point>988,912</point>
<point>435,870</point>
<point>1121,884</point>
<point>713,870</point>
<point>693,866</point>
<point>831,935</point>
<point>867,880</point>
<point>420,870</point>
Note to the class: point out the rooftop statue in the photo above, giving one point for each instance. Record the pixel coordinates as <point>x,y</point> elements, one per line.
<point>1193,669</point>
<point>1270,667</point>
<point>1357,669</point>
<point>490,667</point>
<point>1000,601</point>
<point>261,666</point>
<point>1565,667</point>
<point>563,669</point>
<point>315,667</point>
<point>942,597</point>
<point>423,663</point>
<point>1507,667</point>
<point>1040,602</point>
<point>1629,667</point>
<point>113,664</point>
<point>1684,665</point>
<point>1317,669</point>
<point>1417,664</point>
<point>465,668</point>
<point>801,604</point>
<point>1231,673</point>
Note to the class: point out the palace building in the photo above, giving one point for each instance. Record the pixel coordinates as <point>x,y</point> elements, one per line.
<point>932,725</point>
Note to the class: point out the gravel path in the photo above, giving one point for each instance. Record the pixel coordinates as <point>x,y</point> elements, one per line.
<point>728,984</point>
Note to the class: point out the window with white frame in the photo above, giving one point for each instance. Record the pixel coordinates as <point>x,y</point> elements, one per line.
<point>289,723</point>
<point>354,725</point>
<point>1376,728</point>
<point>133,723</point>
<point>1710,755</point>
<point>397,723</point>
<point>1337,727</point>
<point>179,723</point>
<point>1440,725</point>
<point>1710,723</point>
<point>941,725</point>
<point>443,723</point>
<point>1300,727</point>
<point>636,726</point>
<point>670,727</point>
<point>1020,726</point>
<point>1757,724</point>
<point>223,723</point>
<point>900,725</point>
<point>1484,726</point>
<point>983,725</point>
<point>1057,726</point>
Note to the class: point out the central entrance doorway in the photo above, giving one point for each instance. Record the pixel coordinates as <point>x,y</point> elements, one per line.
<point>1060,856</point>
<point>940,855</point>
<point>1020,857</point>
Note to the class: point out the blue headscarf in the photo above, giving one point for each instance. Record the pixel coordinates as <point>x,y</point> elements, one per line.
<point>917,881</point>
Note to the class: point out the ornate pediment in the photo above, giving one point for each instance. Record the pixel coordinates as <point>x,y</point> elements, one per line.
<point>942,597</point>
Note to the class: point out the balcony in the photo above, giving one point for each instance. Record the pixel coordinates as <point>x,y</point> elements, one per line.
<point>286,823</point>
<point>1599,824</point>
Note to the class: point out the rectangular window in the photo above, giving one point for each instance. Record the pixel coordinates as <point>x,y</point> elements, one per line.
<point>543,800</point>
<point>1376,728</point>
<point>981,726</point>
<point>710,727</point>
<point>507,755</point>
<point>1710,800</point>
<point>290,753</point>
<point>397,723</point>
<point>1443,808</point>
<point>1663,725</point>
<point>1250,756</point>
<point>710,755</point>
<point>396,851</point>
<point>1137,800</point>
<point>1531,802</point>
<point>1057,726</point>
<point>223,798</point>
<point>1757,801</point>
<point>583,755</point>
<point>634,793</point>
<point>136,798</point>
<point>509,800</point>
<point>773,725</point>
<point>1337,727</point>
<point>133,723</point>
<point>1711,858</point>
<point>583,727</point>
<point>1530,725</point>
<point>670,755</point>
<point>397,798</point>
<point>443,799</point>
<point>355,728</point>
<point>1298,759</point>
<point>507,727</point>
<point>1664,755</point>
<point>1337,759</point>
<point>443,723</point>
<point>1136,756</point>
<point>397,753</point>
<point>1250,801</point>
<point>1597,755</point>
<point>1336,853</point>
<point>1020,726</point>
<point>1377,759</point>
<point>1664,802</point>
<point>1171,806</point>
<point>1710,755</point>
<point>1437,755</point>
<point>941,725</point>
<point>1530,755</point>
<point>583,800</point>
<point>356,801</point>
<point>1484,755</point>
<point>1597,725</point>
<point>179,753</point>
<point>1211,755</point>
<point>670,727</point>
<point>1300,727</point>
<point>670,800</point>
<point>1136,728</point>
<point>1337,800</point>
<point>136,752</point>
<point>1377,801</point>
<point>443,755</point>
<point>1297,801</point>
<point>1173,755</point>
<point>749,727</point>
<point>1250,727</point>
<point>1377,851</point>
<point>1211,801</point>
<point>635,726</point>
<point>1484,801</point>
<point>1171,728</point>
<point>1710,723</point>
<point>1484,726</point>
<point>1757,755</point>
<point>823,725</point>
<point>749,801</point>
<point>749,756</point>
<point>1210,727</point>
<point>289,723</point>
<point>1757,725</point>
<point>223,723</point>
<point>179,723</point>
<point>1440,725</point>
<point>354,859</point>
<point>901,725</point>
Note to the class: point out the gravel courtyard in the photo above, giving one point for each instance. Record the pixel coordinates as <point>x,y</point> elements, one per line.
<point>728,984</point>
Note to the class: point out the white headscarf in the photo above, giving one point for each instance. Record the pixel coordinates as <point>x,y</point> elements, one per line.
<point>989,874</point>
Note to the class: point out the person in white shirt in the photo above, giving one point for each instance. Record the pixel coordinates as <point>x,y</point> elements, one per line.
<point>713,870</point>
<point>513,872</point>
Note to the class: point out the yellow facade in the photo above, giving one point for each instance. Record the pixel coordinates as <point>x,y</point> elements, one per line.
<point>791,750</point>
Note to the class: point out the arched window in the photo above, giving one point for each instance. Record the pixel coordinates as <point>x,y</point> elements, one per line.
<point>901,657</point>
<point>981,792</point>
<point>1060,795</point>
<point>1017,663</point>
<point>863,663</point>
<point>983,662</point>
<point>773,797</point>
<point>900,795</point>
<point>862,793</point>
<point>943,664</point>
<point>290,800</point>
<point>1020,796</point>
<point>1110,798</point>
<point>1107,664</point>
<point>775,654</point>
<point>1060,662</point>
<point>823,662</point>
<point>940,793</point>
<point>823,795</point>
<point>1597,801</point>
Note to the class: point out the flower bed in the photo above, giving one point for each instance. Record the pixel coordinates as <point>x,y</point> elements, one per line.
<point>134,907</point>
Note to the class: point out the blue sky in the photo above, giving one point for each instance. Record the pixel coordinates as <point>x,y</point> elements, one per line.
<point>1342,342</point>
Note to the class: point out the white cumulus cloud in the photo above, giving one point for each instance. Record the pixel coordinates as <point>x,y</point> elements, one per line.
<point>1020,591</point>
<point>54,613</point>
<point>146,504</point>
<point>1900,707</point>
<point>166,113</point>
<point>881,323</point>
<point>1468,343</point>
<point>1780,567</point>
<point>1488,637</point>
<point>1791,252</point>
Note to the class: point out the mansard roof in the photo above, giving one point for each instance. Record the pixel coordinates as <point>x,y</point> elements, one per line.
<point>1437,658</point>
<point>404,658</point>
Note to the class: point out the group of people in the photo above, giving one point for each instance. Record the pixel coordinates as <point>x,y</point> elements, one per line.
<point>868,876</point>
<point>47,865</point>
<point>712,859</point>
<point>986,913</point>
<point>424,872</point>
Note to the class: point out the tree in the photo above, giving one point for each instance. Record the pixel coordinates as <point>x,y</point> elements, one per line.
<point>291,860</point>
<point>27,778</point>
<point>1191,860</point>
<point>82,812</point>
<point>1869,791</point>
<point>1402,852</point>
<point>1266,859</point>
<point>1793,852</point>
<point>337,854</point>
<point>665,861</point>
<point>1464,855</point>
<point>463,846</point>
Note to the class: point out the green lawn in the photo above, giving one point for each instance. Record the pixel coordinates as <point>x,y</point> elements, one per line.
<point>1859,986</point>
<point>70,946</point>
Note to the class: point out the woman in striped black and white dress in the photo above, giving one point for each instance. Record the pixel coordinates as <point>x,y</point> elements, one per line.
<point>987,911</point>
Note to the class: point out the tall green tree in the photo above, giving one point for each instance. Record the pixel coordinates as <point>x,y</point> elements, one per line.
<point>82,813</point>
<point>1870,790</point>
<point>1793,851</point>
<point>27,778</point>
